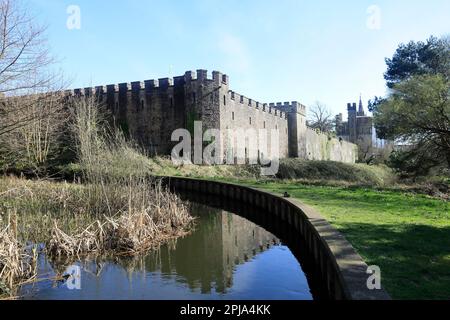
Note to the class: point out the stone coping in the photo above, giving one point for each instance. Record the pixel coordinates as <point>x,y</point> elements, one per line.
<point>340,266</point>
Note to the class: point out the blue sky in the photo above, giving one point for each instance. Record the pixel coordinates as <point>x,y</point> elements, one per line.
<point>272,50</point>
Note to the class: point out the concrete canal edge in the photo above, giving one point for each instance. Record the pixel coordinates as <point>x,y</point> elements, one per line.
<point>340,266</point>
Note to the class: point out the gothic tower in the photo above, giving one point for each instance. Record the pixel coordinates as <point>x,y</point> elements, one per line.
<point>361,108</point>
<point>351,108</point>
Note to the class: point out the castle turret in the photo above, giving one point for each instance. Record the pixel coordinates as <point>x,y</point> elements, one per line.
<point>351,109</point>
<point>296,115</point>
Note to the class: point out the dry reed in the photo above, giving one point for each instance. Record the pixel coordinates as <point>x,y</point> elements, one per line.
<point>17,265</point>
<point>132,213</point>
<point>117,210</point>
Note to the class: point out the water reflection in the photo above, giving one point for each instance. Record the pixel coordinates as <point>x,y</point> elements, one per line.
<point>226,257</point>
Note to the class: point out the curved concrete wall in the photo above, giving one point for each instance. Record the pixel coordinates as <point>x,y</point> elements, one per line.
<point>342,270</point>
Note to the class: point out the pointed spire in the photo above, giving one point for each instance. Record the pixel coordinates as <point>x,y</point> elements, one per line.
<point>361,107</point>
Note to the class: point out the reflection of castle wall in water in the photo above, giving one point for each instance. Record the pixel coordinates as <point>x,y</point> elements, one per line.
<point>242,240</point>
<point>206,258</point>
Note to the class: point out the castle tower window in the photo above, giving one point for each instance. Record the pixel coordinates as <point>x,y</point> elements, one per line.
<point>194,98</point>
<point>224,100</point>
<point>142,104</point>
<point>250,120</point>
<point>117,106</point>
<point>171,102</point>
<point>264,124</point>
<point>232,116</point>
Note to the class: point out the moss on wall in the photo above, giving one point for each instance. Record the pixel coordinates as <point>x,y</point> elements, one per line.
<point>191,118</point>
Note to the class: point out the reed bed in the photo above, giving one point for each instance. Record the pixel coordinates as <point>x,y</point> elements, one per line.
<point>144,217</point>
<point>117,210</point>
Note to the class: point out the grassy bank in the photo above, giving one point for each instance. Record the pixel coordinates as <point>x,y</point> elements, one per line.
<point>319,173</point>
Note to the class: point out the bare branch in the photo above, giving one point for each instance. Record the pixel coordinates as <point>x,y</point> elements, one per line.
<point>320,117</point>
<point>24,56</point>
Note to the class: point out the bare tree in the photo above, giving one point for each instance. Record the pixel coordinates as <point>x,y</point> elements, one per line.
<point>32,109</point>
<point>24,66</point>
<point>320,117</point>
<point>37,124</point>
<point>24,55</point>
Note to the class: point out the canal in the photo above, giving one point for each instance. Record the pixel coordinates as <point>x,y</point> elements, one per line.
<point>227,256</point>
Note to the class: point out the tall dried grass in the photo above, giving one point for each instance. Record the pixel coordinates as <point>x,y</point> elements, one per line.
<point>17,264</point>
<point>117,209</point>
<point>133,213</point>
<point>145,216</point>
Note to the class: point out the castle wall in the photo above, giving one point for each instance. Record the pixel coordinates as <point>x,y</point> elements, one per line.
<point>147,111</point>
<point>240,112</point>
<point>321,147</point>
<point>152,110</point>
<point>306,143</point>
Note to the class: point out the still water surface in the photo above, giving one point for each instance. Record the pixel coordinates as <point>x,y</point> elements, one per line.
<point>226,257</point>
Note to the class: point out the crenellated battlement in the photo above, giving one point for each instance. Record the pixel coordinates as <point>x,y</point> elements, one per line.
<point>263,107</point>
<point>289,107</point>
<point>150,85</point>
<point>280,110</point>
<point>151,110</point>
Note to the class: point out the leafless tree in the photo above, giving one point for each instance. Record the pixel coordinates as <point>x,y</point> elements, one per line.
<point>24,55</point>
<point>320,117</point>
<point>31,99</point>
<point>24,66</point>
<point>37,123</point>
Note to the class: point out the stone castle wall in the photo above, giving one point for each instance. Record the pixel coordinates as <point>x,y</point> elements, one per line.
<point>321,147</point>
<point>308,144</point>
<point>240,112</point>
<point>150,111</point>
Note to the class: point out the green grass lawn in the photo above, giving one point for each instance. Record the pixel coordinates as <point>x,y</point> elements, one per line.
<point>407,235</point>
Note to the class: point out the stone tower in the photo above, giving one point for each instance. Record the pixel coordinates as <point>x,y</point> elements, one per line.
<point>351,108</point>
<point>296,116</point>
